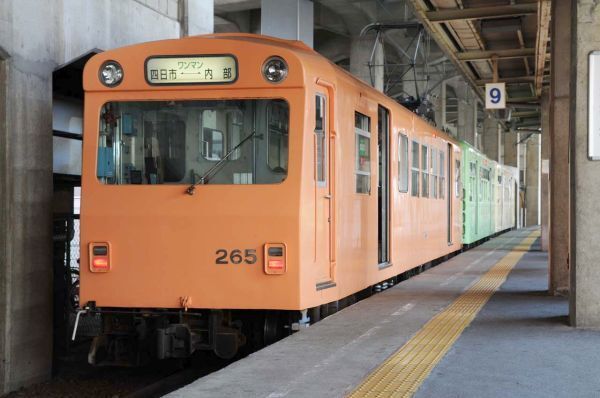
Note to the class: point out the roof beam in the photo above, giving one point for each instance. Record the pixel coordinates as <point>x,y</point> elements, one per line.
<point>541,45</point>
<point>516,100</point>
<point>525,114</point>
<point>500,54</point>
<point>449,15</point>
<point>508,80</point>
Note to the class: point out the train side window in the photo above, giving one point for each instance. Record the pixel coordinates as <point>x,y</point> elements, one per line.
<point>425,171</point>
<point>402,163</point>
<point>415,171</point>
<point>434,173</point>
<point>320,141</point>
<point>457,187</point>
<point>362,128</point>
<point>442,174</point>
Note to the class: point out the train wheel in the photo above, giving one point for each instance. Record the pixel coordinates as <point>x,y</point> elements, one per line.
<point>314,314</point>
<point>271,327</point>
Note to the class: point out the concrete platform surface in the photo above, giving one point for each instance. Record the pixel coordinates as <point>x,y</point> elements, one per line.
<point>519,344</point>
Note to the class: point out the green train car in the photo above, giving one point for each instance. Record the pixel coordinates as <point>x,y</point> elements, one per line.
<point>489,196</point>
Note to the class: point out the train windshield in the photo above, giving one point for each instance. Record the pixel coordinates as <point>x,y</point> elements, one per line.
<point>183,142</point>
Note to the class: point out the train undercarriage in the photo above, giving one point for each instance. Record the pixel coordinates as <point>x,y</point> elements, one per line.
<point>136,337</point>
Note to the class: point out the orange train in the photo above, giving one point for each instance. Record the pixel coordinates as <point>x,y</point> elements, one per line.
<point>237,185</point>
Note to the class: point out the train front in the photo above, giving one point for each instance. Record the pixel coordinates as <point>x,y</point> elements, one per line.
<point>190,193</point>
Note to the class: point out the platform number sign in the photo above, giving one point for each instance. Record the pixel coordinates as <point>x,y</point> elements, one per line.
<point>495,96</point>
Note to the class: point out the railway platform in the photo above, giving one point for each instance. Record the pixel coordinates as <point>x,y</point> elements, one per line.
<point>479,324</point>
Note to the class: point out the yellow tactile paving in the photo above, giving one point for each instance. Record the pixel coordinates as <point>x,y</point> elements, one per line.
<point>404,372</point>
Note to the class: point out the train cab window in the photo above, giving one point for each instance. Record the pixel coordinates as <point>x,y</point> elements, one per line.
<point>213,143</point>
<point>320,141</point>
<point>184,142</point>
<point>415,170</point>
<point>402,163</point>
<point>362,128</point>
<point>235,125</point>
<point>434,173</point>
<point>425,171</point>
<point>278,136</point>
<point>442,174</point>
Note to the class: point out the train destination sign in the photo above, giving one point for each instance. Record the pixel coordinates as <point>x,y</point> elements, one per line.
<point>195,69</point>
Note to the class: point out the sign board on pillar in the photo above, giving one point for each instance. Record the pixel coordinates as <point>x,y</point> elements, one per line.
<point>495,96</point>
<point>594,107</point>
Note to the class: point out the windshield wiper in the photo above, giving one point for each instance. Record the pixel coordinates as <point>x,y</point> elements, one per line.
<point>216,168</point>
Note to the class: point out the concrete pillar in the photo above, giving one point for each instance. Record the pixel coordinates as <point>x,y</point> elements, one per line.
<point>511,153</point>
<point>366,60</point>
<point>560,125</point>
<point>27,229</point>
<point>36,37</point>
<point>532,189</point>
<point>4,230</point>
<point>198,17</point>
<point>545,169</point>
<point>490,139</point>
<point>585,173</point>
<point>522,166</point>
<point>288,19</point>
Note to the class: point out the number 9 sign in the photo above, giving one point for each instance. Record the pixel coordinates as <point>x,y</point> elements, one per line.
<point>495,96</point>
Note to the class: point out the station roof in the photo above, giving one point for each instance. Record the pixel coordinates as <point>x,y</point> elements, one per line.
<point>494,40</point>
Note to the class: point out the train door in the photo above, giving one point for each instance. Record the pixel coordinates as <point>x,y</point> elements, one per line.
<point>383,133</point>
<point>449,194</point>
<point>323,191</point>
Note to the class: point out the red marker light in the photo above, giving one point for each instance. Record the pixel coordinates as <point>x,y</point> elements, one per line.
<point>276,264</point>
<point>100,263</point>
<point>275,259</point>
<point>99,257</point>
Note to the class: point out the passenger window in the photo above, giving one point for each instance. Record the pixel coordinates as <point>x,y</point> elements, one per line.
<point>457,187</point>
<point>320,141</point>
<point>414,190</point>
<point>425,171</point>
<point>402,163</point>
<point>362,129</point>
<point>434,173</point>
<point>442,174</point>
<point>277,122</point>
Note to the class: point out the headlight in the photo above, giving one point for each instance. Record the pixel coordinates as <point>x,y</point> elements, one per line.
<point>111,73</point>
<point>275,69</point>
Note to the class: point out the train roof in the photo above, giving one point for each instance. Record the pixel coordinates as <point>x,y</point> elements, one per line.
<point>253,50</point>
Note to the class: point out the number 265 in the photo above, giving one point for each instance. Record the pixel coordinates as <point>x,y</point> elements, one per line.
<point>235,256</point>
